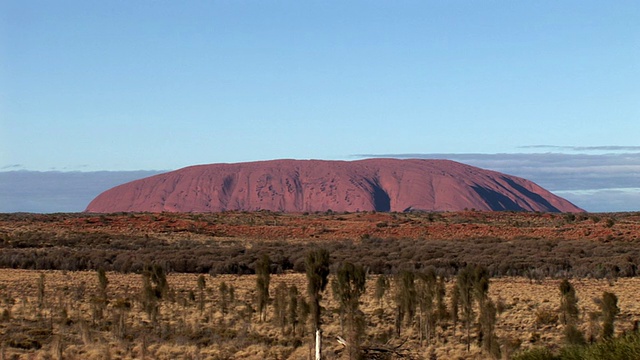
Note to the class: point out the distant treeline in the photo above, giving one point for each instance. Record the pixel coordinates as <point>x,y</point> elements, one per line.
<point>535,258</point>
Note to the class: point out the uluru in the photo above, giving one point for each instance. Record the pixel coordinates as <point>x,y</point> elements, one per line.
<point>320,185</point>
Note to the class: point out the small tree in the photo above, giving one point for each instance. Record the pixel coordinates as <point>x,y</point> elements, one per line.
<point>480,294</point>
<point>158,278</point>
<point>465,290</point>
<point>317,269</point>
<point>349,287</point>
<point>594,329</point>
<point>122,306</point>
<point>341,310</point>
<point>569,313</point>
<point>103,282</point>
<point>425,295</point>
<point>480,284</point>
<point>609,308</point>
<point>202,284</point>
<point>568,303</point>
<point>405,298</point>
<point>472,285</point>
<point>292,309</point>
<point>224,291</point>
<point>155,287</point>
<point>487,324</point>
<point>382,286</point>
<point>280,306</point>
<point>441,306</point>
<point>263,266</point>
<point>99,303</point>
<point>149,297</point>
<point>303,313</point>
<point>455,307</point>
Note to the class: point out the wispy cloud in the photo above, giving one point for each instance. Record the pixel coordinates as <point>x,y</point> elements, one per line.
<point>582,148</point>
<point>12,167</point>
<point>595,182</point>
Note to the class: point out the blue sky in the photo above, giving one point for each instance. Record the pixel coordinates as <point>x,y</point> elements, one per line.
<point>159,85</point>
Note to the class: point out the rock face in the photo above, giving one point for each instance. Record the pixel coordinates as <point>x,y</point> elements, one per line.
<point>317,185</point>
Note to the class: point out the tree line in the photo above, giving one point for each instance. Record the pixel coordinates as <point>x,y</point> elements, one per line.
<point>534,258</point>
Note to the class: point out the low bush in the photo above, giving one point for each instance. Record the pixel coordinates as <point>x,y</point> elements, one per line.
<point>626,347</point>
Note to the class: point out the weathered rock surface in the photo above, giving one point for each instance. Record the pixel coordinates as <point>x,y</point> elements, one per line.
<point>318,185</point>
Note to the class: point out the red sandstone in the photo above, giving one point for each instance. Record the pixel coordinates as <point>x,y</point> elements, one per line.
<point>317,185</point>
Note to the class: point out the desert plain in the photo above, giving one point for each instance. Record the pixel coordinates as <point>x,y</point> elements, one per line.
<point>53,306</point>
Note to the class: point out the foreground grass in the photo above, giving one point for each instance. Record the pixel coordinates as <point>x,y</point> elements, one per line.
<point>69,323</point>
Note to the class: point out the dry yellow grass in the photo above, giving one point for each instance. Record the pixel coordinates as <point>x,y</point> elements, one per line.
<point>66,326</point>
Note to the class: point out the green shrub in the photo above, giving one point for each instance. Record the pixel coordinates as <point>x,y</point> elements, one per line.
<point>623,348</point>
<point>538,353</point>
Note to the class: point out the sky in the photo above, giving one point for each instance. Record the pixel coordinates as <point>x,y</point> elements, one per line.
<point>118,86</point>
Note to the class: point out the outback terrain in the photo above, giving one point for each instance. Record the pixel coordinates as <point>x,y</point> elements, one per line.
<point>89,286</point>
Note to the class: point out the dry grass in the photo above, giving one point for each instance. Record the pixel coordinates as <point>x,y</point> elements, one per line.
<point>66,327</point>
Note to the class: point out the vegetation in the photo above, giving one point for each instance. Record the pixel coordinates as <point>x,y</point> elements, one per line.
<point>317,266</point>
<point>348,287</point>
<point>263,278</point>
<point>626,347</point>
<point>382,286</point>
<point>506,244</point>
<point>280,307</point>
<point>569,314</point>
<point>464,289</point>
<point>405,299</point>
<point>229,322</point>
<point>449,298</point>
<point>609,310</point>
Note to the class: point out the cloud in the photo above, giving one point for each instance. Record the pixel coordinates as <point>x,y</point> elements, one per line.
<point>12,167</point>
<point>595,182</point>
<point>583,148</point>
<point>54,191</point>
<point>622,199</point>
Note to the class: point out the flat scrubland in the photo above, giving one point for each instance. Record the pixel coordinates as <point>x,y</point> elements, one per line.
<point>507,243</point>
<point>52,305</point>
